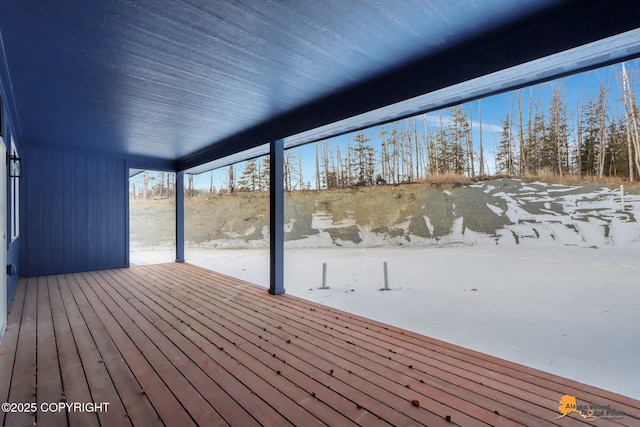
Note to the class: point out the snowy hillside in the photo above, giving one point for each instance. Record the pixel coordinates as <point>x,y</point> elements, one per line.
<point>503,212</point>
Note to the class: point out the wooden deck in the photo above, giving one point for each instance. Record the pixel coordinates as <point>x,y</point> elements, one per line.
<point>177,345</point>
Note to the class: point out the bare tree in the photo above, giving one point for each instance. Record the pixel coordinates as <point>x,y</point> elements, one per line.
<point>384,155</point>
<point>529,130</point>
<point>161,189</point>
<point>408,164</point>
<point>470,157</point>
<point>231,182</point>
<point>523,152</point>
<point>558,130</point>
<point>480,151</point>
<point>317,168</point>
<point>602,128</point>
<point>171,183</point>
<point>340,178</point>
<point>133,187</point>
<point>418,156</point>
<point>145,185</point>
<point>631,115</point>
<point>190,186</point>
<point>428,147</point>
<point>579,142</point>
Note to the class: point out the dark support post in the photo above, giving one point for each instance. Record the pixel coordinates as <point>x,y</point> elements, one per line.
<point>276,217</point>
<point>179,216</point>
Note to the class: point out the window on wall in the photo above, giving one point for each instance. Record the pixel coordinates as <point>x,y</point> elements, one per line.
<point>15,200</point>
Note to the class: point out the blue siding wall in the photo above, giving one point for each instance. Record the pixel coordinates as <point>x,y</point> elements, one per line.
<point>75,216</point>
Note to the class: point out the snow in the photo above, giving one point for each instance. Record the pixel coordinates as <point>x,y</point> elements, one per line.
<point>496,210</point>
<point>427,221</point>
<point>324,220</point>
<point>570,311</point>
<point>557,289</point>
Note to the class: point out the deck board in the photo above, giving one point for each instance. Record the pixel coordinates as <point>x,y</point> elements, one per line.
<point>174,344</point>
<point>137,405</point>
<point>49,378</point>
<point>9,345</point>
<point>98,378</point>
<point>74,380</point>
<point>23,379</point>
<point>148,382</point>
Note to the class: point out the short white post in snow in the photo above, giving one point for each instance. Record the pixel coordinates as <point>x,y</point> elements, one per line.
<point>324,276</point>
<point>386,277</point>
<point>622,196</point>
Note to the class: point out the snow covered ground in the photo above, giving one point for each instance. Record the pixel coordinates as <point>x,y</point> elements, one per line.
<point>557,288</point>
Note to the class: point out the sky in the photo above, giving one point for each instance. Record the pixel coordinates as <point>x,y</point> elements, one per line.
<point>577,88</point>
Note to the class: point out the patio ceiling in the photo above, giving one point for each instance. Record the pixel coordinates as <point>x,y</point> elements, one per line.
<point>191,81</point>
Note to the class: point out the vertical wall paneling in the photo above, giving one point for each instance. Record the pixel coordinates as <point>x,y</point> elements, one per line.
<point>81,212</point>
<point>116,200</point>
<point>102,221</point>
<point>69,213</point>
<point>92,206</point>
<point>56,219</point>
<point>75,212</point>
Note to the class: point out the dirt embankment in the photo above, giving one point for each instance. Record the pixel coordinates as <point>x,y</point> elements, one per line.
<point>498,210</point>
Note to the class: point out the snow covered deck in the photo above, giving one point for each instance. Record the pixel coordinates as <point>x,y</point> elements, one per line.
<point>175,344</point>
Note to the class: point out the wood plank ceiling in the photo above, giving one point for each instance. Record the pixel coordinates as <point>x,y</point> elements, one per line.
<point>192,80</point>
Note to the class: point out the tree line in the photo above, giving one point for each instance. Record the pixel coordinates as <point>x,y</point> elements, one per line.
<point>596,136</point>
<point>593,135</point>
<point>152,185</point>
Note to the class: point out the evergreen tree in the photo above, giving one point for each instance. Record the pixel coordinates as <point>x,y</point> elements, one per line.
<point>265,174</point>
<point>505,153</point>
<point>534,142</point>
<point>617,159</point>
<point>248,181</point>
<point>557,138</point>
<point>459,136</point>
<point>590,131</point>
<point>393,165</point>
<point>362,160</point>
<point>443,157</point>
